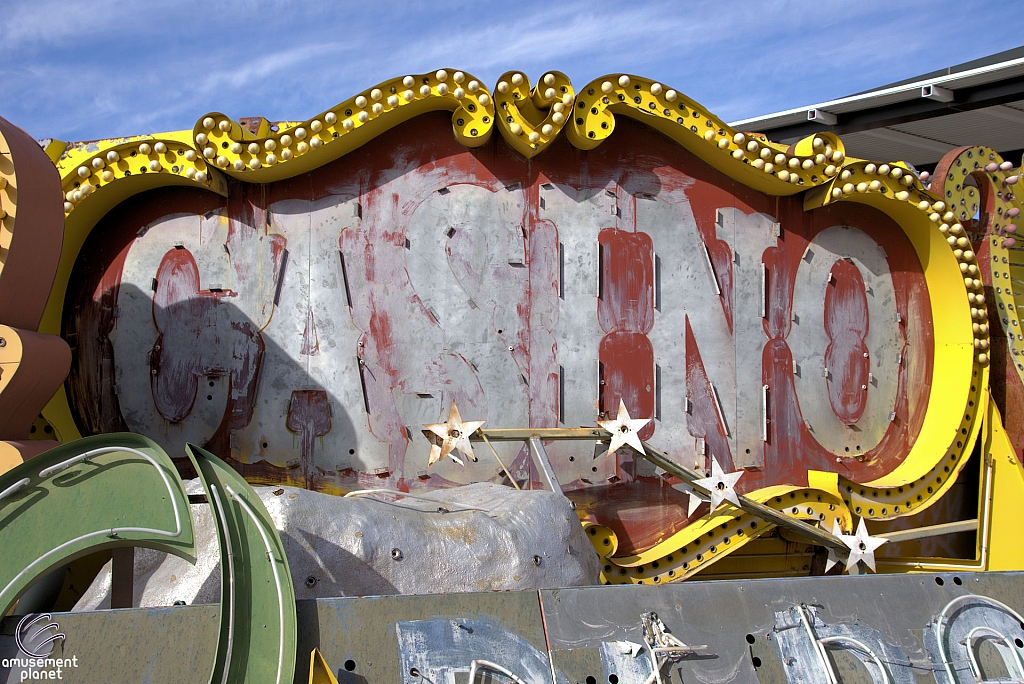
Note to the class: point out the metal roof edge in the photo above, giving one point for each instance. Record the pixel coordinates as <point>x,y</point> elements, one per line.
<point>905,89</point>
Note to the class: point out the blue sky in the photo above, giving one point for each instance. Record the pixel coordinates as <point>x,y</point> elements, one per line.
<point>82,70</point>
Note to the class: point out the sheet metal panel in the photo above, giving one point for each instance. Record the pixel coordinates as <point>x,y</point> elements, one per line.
<point>306,329</point>
<point>750,631</point>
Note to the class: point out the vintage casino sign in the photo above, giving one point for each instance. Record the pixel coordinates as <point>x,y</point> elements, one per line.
<point>300,298</point>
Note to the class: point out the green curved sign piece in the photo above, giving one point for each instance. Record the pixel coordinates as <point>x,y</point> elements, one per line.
<point>95,493</point>
<point>258,626</point>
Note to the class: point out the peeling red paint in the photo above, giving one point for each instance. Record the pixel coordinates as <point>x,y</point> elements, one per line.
<point>627,296</point>
<point>627,371</point>
<point>309,416</point>
<point>704,421</point>
<point>310,343</point>
<point>182,315</point>
<point>846,358</point>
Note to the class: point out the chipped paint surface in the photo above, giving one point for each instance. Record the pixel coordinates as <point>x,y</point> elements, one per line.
<point>308,328</point>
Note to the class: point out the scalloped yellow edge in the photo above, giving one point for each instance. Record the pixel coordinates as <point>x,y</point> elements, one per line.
<point>97,176</point>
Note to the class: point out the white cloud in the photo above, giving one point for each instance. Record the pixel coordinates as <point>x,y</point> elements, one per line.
<point>113,67</point>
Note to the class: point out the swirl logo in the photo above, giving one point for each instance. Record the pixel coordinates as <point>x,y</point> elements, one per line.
<point>35,644</point>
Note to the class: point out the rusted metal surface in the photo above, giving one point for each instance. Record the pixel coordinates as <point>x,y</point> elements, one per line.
<point>414,272</point>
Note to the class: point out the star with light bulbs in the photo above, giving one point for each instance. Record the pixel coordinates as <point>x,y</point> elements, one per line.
<point>624,430</point>
<point>721,485</point>
<point>454,435</point>
<point>862,547</point>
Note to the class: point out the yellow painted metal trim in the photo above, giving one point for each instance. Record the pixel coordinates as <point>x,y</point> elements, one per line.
<point>530,120</point>
<point>701,543</point>
<point>959,375</point>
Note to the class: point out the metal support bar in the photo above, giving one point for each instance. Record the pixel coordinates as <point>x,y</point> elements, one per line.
<point>539,455</point>
<point>931,531</point>
<point>818,536</point>
<point>523,434</point>
<point>661,460</point>
<point>122,577</point>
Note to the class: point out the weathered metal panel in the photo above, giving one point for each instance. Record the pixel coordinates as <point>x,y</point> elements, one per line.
<point>414,272</point>
<point>751,632</point>
<point>740,631</point>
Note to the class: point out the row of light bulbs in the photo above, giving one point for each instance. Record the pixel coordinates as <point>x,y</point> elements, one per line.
<point>101,169</point>
<point>559,104</point>
<point>294,141</point>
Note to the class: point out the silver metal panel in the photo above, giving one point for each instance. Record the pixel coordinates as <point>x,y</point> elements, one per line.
<point>809,341</point>
<point>744,627</point>
<point>687,291</point>
<point>749,630</point>
<point>749,236</point>
<point>579,215</point>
